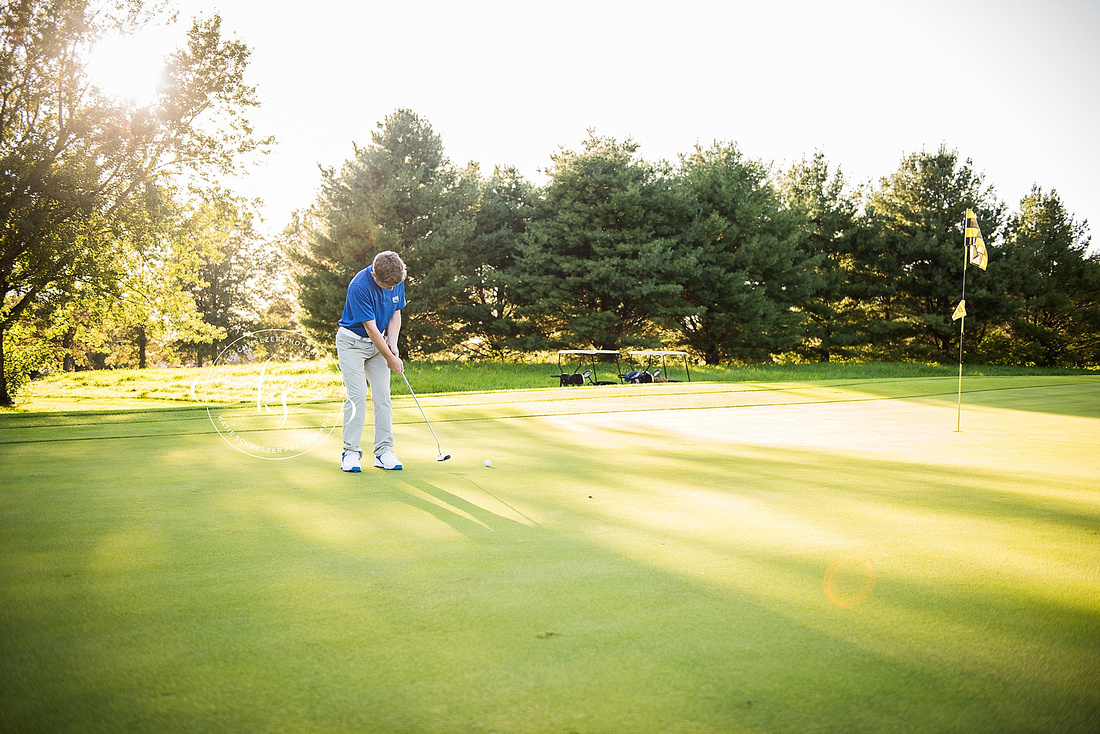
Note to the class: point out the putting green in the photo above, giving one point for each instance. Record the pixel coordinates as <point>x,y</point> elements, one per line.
<point>658,558</point>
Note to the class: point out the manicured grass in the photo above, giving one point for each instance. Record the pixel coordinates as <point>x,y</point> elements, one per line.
<point>115,389</point>
<point>638,559</point>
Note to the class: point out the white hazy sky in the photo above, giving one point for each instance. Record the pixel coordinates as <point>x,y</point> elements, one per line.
<point>1012,84</point>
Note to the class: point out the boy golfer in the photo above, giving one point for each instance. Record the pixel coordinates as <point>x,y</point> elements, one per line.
<point>366,346</point>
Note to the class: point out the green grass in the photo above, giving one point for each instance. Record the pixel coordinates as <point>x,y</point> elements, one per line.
<point>638,559</point>
<point>115,389</point>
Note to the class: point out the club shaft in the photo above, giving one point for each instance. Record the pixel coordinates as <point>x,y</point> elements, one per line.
<point>437,445</point>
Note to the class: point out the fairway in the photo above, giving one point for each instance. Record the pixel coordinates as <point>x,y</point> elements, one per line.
<point>800,557</point>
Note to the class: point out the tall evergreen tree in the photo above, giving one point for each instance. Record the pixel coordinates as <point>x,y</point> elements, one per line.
<point>1054,284</point>
<point>829,214</point>
<point>595,269</point>
<point>751,273</point>
<point>911,279</point>
<point>488,316</point>
<point>400,193</point>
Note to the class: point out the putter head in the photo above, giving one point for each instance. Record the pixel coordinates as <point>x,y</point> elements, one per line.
<point>442,457</point>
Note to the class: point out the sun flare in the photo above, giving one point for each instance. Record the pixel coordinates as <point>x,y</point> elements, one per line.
<point>129,68</point>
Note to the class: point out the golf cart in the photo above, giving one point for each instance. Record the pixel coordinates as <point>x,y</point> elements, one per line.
<point>582,359</point>
<point>650,372</point>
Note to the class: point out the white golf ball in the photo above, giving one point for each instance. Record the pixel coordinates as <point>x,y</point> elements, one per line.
<point>488,462</point>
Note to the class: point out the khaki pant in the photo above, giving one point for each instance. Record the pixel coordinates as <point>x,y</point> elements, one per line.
<point>361,364</point>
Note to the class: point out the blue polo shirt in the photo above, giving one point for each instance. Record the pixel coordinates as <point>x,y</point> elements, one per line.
<point>367,302</point>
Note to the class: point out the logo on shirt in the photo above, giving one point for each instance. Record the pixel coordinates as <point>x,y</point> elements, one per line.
<point>395,299</point>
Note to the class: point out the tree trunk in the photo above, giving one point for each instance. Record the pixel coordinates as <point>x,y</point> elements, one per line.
<point>5,399</point>
<point>142,341</point>
<point>67,345</point>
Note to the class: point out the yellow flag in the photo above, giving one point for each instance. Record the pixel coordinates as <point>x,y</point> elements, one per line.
<point>960,311</point>
<point>978,254</point>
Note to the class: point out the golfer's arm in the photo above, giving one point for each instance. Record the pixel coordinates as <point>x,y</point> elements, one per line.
<point>380,344</point>
<point>393,330</point>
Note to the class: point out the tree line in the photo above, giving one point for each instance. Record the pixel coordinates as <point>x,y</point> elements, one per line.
<point>716,253</point>
<point>120,245</point>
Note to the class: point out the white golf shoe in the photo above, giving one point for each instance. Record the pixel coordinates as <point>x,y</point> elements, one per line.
<point>387,460</point>
<point>350,462</point>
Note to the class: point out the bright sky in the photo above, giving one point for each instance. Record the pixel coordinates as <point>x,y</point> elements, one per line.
<point>1012,84</point>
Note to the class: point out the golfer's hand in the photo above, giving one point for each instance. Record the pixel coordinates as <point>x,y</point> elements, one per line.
<point>396,364</point>
<point>393,348</point>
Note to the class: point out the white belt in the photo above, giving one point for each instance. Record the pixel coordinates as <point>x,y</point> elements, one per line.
<point>348,332</point>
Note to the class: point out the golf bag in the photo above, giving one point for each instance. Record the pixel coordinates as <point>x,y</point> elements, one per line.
<point>638,377</point>
<point>571,380</point>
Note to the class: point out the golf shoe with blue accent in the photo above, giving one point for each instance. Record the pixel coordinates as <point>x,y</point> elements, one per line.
<point>387,460</point>
<point>350,461</point>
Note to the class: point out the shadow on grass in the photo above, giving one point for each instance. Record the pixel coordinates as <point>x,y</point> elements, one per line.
<point>594,580</point>
<point>1071,395</point>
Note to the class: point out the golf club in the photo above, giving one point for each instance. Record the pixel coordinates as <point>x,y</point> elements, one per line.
<point>442,456</point>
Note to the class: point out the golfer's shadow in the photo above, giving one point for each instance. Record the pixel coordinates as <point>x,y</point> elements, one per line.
<point>468,518</point>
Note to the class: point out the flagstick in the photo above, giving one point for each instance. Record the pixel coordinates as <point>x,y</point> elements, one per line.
<point>962,331</point>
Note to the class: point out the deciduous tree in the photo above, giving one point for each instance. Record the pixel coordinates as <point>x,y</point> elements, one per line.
<point>74,163</point>
<point>240,275</point>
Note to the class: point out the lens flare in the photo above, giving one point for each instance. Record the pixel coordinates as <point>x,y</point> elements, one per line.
<point>849,580</point>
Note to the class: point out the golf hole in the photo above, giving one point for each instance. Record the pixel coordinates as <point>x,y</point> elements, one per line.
<point>849,581</point>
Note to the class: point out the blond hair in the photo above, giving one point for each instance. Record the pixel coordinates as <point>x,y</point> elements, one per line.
<point>388,268</point>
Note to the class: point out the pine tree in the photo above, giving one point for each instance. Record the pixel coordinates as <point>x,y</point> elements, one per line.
<point>487,317</point>
<point>1055,286</point>
<point>829,215</point>
<point>400,193</point>
<point>595,268</point>
<point>910,271</point>
<point>750,270</point>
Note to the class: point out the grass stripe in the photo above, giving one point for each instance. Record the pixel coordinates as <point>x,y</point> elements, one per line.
<point>663,572</point>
